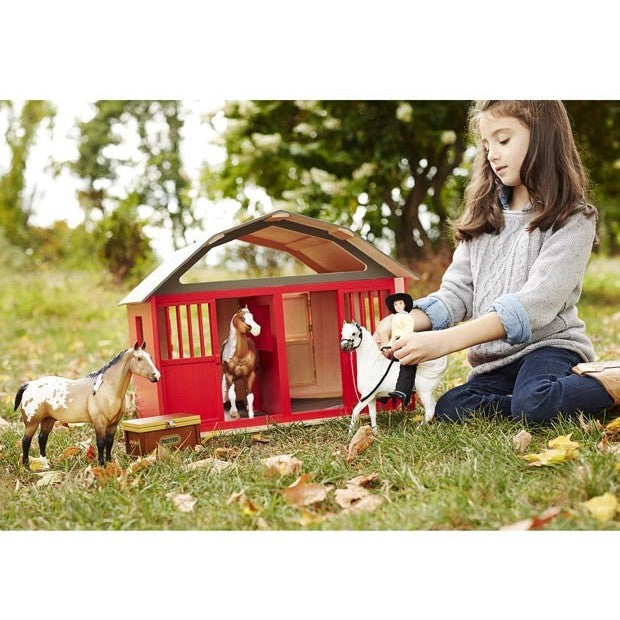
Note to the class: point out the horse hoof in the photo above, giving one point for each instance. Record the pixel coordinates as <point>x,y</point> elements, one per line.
<point>233,414</point>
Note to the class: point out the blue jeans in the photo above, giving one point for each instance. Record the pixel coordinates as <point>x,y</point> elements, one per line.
<point>535,388</point>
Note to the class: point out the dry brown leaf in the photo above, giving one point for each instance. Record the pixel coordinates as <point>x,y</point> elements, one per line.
<point>603,507</point>
<point>50,477</point>
<point>302,493</point>
<point>591,426</point>
<point>215,466</point>
<point>226,453</point>
<point>609,447</point>
<point>248,507</point>
<point>142,463</point>
<point>183,501</point>
<point>258,438</point>
<point>109,472</point>
<point>534,523</point>
<point>360,442</point>
<point>364,481</point>
<point>345,498</point>
<point>284,464</point>
<point>521,441</point>
<point>368,503</point>
<point>70,452</point>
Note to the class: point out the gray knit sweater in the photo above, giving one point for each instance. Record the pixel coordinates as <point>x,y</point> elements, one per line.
<point>532,280</point>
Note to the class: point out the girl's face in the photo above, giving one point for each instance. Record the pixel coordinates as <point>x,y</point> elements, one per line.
<point>399,305</point>
<point>506,140</point>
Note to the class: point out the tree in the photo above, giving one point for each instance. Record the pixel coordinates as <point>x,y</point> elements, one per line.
<point>22,127</point>
<point>387,169</point>
<point>597,129</point>
<point>157,178</point>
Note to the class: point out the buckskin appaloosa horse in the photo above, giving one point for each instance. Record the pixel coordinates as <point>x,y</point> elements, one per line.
<point>98,398</point>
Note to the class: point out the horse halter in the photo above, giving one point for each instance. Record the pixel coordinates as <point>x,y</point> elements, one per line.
<point>351,346</point>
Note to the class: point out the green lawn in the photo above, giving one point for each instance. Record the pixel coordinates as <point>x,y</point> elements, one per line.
<point>428,477</point>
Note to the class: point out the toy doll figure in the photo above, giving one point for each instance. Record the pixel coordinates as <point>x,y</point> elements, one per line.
<point>400,305</point>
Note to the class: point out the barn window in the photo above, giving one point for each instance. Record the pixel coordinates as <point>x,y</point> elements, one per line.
<point>187,331</point>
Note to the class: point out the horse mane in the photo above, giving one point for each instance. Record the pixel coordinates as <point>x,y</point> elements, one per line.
<point>108,365</point>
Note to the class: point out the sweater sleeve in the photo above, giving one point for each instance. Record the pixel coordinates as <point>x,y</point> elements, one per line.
<point>453,302</point>
<point>554,278</point>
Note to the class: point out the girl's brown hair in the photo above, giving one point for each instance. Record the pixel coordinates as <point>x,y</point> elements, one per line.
<point>551,171</point>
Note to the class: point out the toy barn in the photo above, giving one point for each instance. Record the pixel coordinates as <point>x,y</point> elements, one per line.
<point>302,374</point>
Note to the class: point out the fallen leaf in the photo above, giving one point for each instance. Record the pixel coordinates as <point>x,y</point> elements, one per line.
<point>591,426</point>
<point>603,507</point>
<point>353,493</point>
<point>563,442</point>
<point>141,463</point>
<point>417,418</point>
<point>360,442</point>
<point>248,507</point>
<point>609,447</point>
<point>368,503</point>
<point>214,465</point>
<point>521,441</point>
<point>226,453</point>
<point>50,477</point>
<point>109,472</point>
<point>560,449</point>
<point>183,501</point>
<point>302,493</point>
<point>364,481</point>
<point>534,523</point>
<point>90,453</point>
<point>70,452</point>
<point>284,464</point>
<point>261,524</point>
<point>38,464</point>
<point>307,517</point>
<point>613,426</point>
<point>258,438</point>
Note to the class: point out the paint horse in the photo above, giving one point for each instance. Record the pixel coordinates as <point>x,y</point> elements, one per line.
<point>98,398</point>
<point>377,376</point>
<point>239,360</point>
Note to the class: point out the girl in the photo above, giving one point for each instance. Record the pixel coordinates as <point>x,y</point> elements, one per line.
<point>523,244</point>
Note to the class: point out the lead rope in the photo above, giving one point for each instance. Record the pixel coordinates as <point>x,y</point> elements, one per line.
<point>360,398</point>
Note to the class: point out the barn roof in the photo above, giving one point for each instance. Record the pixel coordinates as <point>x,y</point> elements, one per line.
<point>333,252</point>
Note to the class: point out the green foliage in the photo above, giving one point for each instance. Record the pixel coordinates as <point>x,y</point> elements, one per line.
<point>158,179</point>
<point>123,247</point>
<point>379,167</point>
<point>20,136</point>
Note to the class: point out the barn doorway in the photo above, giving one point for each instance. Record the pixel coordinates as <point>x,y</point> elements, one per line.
<point>312,350</point>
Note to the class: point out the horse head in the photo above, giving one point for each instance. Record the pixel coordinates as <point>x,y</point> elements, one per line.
<point>141,364</point>
<point>350,336</point>
<point>244,322</point>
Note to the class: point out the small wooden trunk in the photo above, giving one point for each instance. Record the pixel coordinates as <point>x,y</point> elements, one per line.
<point>176,430</point>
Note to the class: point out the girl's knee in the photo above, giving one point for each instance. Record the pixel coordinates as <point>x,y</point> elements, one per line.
<point>540,407</point>
<point>449,406</point>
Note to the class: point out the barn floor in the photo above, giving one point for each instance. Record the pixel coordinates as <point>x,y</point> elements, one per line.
<point>299,405</point>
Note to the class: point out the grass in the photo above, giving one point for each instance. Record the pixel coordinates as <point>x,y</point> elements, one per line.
<point>430,477</point>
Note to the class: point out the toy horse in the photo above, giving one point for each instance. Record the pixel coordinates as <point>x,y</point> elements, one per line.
<point>377,376</point>
<point>98,398</point>
<point>239,360</point>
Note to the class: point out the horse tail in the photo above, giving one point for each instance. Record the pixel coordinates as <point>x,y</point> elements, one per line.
<point>19,395</point>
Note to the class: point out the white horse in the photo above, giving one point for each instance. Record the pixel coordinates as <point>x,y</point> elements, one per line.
<point>377,376</point>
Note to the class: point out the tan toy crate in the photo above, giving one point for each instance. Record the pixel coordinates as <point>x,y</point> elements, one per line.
<point>176,430</point>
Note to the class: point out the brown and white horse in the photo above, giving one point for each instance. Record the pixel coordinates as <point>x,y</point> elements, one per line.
<point>239,360</point>
<point>98,398</point>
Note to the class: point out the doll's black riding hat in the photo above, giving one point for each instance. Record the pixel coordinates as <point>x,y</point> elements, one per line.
<point>390,299</point>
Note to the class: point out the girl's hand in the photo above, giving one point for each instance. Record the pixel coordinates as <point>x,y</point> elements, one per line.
<point>420,347</point>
